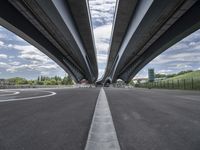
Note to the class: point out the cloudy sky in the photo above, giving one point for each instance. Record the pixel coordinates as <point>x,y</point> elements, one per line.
<point>102,13</point>
<point>184,55</point>
<point>18,58</point>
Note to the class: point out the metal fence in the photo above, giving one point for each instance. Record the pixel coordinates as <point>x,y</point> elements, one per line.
<point>185,84</point>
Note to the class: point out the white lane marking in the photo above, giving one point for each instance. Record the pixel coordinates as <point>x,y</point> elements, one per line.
<point>102,134</point>
<point>28,98</point>
<point>13,93</point>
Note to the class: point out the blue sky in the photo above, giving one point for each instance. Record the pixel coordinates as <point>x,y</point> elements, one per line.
<point>102,14</point>
<point>19,58</point>
<point>184,55</point>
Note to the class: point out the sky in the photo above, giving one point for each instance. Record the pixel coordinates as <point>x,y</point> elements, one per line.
<point>19,58</point>
<point>184,55</point>
<point>102,14</point>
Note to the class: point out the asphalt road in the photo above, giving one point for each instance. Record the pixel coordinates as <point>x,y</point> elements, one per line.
<point>60,119</point>
<point>46,121</point>
<point>156,119</point>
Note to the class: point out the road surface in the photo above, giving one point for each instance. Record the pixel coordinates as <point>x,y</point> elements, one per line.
<point>60,119</point>
<point>156,119</point>
<point>57,122</point>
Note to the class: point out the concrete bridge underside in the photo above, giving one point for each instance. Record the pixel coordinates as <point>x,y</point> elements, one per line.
<point>60,29</point>
<point>145,29</point>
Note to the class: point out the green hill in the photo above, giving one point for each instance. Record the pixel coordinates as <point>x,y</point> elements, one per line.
<point>186,80</point>
<point>189,75</point>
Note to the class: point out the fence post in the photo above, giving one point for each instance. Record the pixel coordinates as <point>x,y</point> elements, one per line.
<point>172,84</point>
<point>168,84</point>
<point>184,84</point>
<point>178,84</point>
<point>192,84</point>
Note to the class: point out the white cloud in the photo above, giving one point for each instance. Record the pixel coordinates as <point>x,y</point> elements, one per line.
<point>102,37</point>
<point>182,66</point>
<point>30,53</point>
<point>101,72</point>
<point>167,71</point>
<point>2,35</point>
<point>11,57</point>
<point>102,58</point>
<point>36,60</point>
<point>35,57</point>
<point>102,14</point>
<point>102,11</point>
<point>19,38</point>
<point>36,67</point>
<point>16,63</point>
<point>180,57</point>
<point>3,56</point>
<point>1,43</point>
<point>22,59</point>
<point>103,32</point>
<point>3,65</point>
<point>102,42</point>
<point>185,55</point>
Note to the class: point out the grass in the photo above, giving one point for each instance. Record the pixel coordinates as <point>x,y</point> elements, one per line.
<point>190,75</point>
<point>187,81</point>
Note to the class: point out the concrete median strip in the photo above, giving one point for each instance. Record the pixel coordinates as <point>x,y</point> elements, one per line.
<point>102,134</point>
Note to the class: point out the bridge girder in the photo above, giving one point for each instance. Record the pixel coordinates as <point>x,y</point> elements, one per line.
<point>51,26</point>
<point>153,27</point>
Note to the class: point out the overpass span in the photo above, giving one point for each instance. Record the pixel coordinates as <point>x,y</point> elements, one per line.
<point>60,29</point>
<point>145,29</point>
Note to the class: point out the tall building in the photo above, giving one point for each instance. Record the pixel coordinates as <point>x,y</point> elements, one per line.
<point>151,74</point>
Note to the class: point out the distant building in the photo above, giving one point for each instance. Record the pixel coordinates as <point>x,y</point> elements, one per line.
<point>151,75</point>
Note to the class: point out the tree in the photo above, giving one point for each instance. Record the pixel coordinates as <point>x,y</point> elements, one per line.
<point>53,82</point>
<point>67,80</point>
<point>131,83</point>
<point>18,81</point>
<point>160,75</point>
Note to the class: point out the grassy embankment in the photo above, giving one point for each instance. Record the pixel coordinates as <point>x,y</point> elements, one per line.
<point>187,81</point>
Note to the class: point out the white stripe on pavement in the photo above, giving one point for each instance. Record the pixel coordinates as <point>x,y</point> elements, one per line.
<point>102,134</point>
<point>13,93</point>
<point>28,98</point>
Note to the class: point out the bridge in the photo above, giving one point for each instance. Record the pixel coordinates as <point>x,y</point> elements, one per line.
<point>60,29</point>
<point>94,118</point>
<point>145,29</point>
